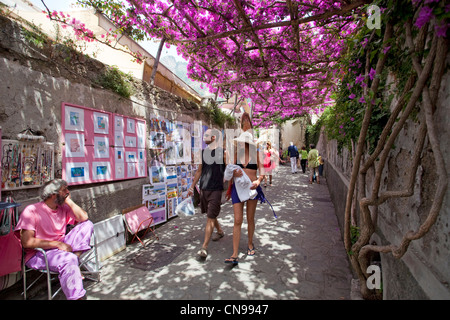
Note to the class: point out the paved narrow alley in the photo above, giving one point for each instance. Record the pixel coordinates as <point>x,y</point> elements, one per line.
<point>300,255</point>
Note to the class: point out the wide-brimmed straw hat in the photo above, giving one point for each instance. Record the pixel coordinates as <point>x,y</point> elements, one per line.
<point>246,137</point>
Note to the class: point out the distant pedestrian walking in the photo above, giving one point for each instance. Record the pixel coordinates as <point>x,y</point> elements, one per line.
<point>313,163</point>
<point>270,162</point>
<point>293,155</point>
<point>304,159</point>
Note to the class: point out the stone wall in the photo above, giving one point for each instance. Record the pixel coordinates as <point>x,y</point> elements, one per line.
<point>37,80</point>
<point>424,271</point>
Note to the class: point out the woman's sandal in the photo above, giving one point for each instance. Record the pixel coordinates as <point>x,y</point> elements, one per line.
<point>251,252</point>
<point>232,260</point>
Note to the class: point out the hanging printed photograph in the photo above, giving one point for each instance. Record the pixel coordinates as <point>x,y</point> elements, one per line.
<point>197,129</point>
<point>101,171</point>
<point>171,155</point>
<point>179,151</point>
<point>74,144</point>
<point>171,206</point>
<point>101,123</point>
<point>154,198</point>
<point>76,172</point>
<point>118,131</point>
<point>171,173</point>
<point>197,152</point>
<point>157,140</point>
<point>157,174</point>
<point>73,119</point>
<point>101,147</point>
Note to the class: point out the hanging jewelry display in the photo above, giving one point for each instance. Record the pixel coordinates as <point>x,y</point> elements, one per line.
<point>27,162</point>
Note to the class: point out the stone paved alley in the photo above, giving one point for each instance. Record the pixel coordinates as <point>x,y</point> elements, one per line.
<point>300,255</point>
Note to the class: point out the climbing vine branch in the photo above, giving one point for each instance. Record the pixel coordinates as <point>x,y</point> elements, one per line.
<point>426,70</point>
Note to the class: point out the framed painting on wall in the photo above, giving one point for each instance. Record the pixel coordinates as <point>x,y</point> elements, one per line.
<point>101,123</point>
<point>101,147</point>
<point>77,172</point>
<point>74,143</point>
<point>101,171</point>
<point>74,119</point>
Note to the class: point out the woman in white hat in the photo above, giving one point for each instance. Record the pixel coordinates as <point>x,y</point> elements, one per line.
<point>247,159</point>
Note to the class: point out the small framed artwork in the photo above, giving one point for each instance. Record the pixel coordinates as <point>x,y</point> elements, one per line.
<point>141,169</point>
<point>131,126</point>
<point>74,144</point>
<point>119,170</point>
<point>130,142</point>
<point>141,154</point>
<point>101,147</point>
<point>101,170</point>
<point>101,123</point>
<point>118,124</point>
<point>77,172</point>
<point>119,155</point>
<point>141,134</point>
<point>73,118</point>
<point>130,156</point>
<point>131,169</point>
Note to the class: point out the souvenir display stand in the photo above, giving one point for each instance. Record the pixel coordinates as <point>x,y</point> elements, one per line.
<point>26,163</point>
<point>174,145</point>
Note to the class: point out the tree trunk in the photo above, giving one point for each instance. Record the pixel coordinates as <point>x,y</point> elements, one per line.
<point>155,65</point>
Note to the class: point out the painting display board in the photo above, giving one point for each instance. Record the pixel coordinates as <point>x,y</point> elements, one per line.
<point>101,146</point>
<point>26,164</point>
<point>154,198</point>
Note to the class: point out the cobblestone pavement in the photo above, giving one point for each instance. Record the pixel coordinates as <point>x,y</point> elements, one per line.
<point>300,255</point>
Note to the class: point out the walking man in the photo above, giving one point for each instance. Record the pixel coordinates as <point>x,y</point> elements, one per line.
<point>210,173</point>
<point>293,154</point>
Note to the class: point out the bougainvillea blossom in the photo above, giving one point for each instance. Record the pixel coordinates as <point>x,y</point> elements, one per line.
<point>282,55</point>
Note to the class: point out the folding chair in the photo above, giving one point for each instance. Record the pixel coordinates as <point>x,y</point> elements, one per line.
<point>137,219</point>
<point>87,261</point>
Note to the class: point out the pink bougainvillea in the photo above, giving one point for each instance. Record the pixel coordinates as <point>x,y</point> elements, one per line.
<point>281,55</point>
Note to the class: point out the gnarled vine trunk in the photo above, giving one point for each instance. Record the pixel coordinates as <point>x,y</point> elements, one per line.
<point>428,70</point>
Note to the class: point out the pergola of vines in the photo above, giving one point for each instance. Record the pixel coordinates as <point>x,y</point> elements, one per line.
<point>282,55</point>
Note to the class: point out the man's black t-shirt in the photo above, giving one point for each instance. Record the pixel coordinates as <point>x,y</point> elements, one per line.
<point>212,173</point>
